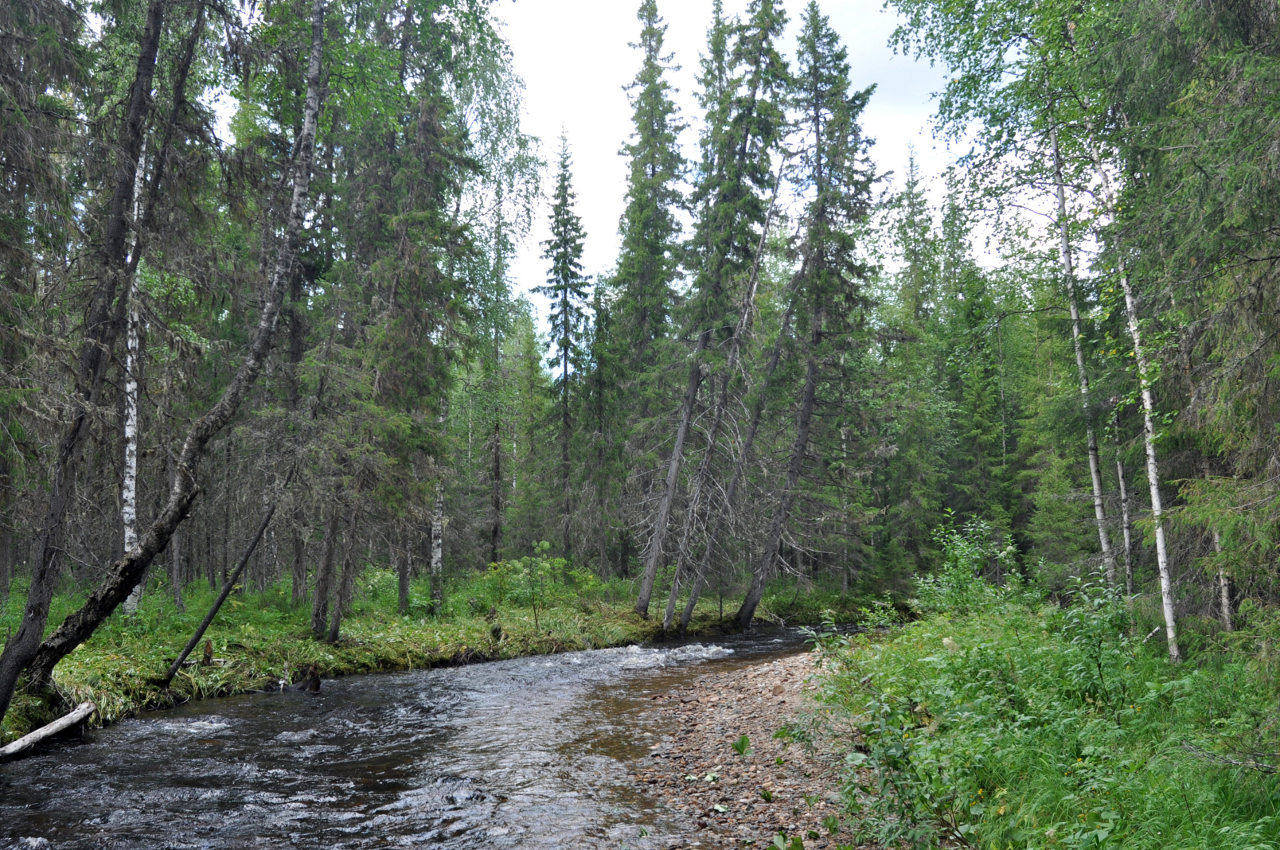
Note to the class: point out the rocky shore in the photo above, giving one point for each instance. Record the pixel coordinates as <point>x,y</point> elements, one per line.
<point>748,759</point>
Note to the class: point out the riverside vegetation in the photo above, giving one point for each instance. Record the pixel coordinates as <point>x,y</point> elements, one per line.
<point>1000,719</point>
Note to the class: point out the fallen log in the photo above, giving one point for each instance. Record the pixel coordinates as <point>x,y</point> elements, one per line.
<point>79,715</point>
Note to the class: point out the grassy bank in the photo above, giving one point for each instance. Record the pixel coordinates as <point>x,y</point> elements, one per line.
<point>260,639</point>
<point>998,721</point>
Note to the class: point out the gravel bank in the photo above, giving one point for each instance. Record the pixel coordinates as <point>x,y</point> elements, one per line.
<point>779,785</point>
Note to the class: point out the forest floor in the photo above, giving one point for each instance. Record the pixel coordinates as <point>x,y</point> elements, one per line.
<point>781,781</point>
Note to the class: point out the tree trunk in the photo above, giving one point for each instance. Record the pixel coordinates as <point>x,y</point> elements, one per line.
<point>566,422</point>
<point>702,480</point>
<point>175,570</point>
<point>1067,264</point>
<point>324,575</point>
<point>1153,468</point>
<point>77,716</point>
<point>6,559</point>
<point>1223,583</point>
<point>1126,523</point>
<point>127,571</point>
<point>658,538</point>
<point>804,420</point>
<point>101,330</point>
<point>495,529</point>
<point>653,554</point>
<point>437,549</point>
<point>402,577</point>
<point>343,602</point>
<point>716,527</point>
<point>298,564</point>
<point>132,368</point>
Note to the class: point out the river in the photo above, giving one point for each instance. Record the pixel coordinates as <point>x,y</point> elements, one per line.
<point>531,752</point>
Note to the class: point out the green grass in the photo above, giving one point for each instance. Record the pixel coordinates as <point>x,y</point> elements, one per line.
<point>998,721</point>
<point>260,639</point>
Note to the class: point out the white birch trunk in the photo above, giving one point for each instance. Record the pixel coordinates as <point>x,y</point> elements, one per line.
<point>436,566</point>
<point>1126,525</point>
<point>129,481</point>
<point>132,361</point>
<point>1069,277</point>
<point>1153,468</point>
<point>437,533</point>
<point>1224,587</point>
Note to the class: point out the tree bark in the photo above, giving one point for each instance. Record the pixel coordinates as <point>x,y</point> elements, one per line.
<point>702,479</point>
<point>132,366</point>
<point>1153,468</point>
<point>721,521</point>
<point>437,548</point>
<point>343,602</point>
<point>658,539</point>
<point>1067,264</point>
<point>77,716</point>
<point>402,577</point>
<point>324,575</point>
<point>495,529</point>
<point>1126,523</point>
<point>101,330</point>
<point>298,563</point>
<point>127,571</point>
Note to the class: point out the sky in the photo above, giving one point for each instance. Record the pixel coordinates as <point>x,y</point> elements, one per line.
<point>575,59</point>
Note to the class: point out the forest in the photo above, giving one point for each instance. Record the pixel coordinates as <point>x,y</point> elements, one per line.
<point>261,335</point>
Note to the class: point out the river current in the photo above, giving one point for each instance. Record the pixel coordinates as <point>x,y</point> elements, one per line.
<point>529,753</point>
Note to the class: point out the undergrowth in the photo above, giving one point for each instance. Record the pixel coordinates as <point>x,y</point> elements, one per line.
<point>996,720</point>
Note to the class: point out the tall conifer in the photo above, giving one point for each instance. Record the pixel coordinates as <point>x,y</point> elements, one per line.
<point>744,88</point>
<point>566,287</point>
<point>647,264</point>
<point>837,176</point>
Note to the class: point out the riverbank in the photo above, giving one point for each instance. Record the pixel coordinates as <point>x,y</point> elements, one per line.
<point>751,758</point>
<point>996,720</point>
<point>262,641</point>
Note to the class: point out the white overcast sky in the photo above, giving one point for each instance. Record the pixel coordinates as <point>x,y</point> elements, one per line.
<point>575,59</point>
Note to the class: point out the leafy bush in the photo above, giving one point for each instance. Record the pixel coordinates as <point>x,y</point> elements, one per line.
<point>969,553</point>
<point>1022,725</point>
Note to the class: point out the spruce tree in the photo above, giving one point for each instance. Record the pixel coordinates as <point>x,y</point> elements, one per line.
<point>836,176</point>
<point>650,228</point>
<point>744,88</point>
<point>566,287</point>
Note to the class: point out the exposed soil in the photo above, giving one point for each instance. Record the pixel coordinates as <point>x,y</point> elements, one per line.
<point>780,785</point>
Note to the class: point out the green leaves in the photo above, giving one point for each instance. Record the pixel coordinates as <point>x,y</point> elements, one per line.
<point>1047,725</point>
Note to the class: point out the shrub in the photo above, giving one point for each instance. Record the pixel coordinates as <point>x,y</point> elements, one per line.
<point>999,721</point>
<point>1018,725</point>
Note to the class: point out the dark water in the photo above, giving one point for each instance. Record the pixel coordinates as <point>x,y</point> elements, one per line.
<point>524,753</point>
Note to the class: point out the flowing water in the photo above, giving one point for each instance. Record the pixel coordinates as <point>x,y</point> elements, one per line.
<point>531,752</point>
